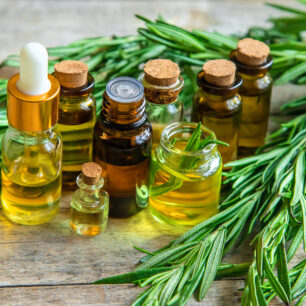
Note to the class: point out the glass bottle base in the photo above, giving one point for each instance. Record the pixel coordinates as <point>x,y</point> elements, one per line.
<point>86,229</point>
<point>30,216</point>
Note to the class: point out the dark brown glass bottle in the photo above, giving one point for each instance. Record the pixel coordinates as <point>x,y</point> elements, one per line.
<point>122,146</point>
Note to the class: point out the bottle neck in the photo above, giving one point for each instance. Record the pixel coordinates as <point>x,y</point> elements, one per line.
<point>89,188</point>
<point>161,94</point>
<point>219,93</point>
<point>122,115</point>
<point>173,155</point>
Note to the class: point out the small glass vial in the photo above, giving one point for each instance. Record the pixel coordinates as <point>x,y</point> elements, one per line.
<point>122,146</point>
<point>253,64</point>
<point>32,145</point>
<point>162,84</point>
<point>89,205</point>
<point>217,104</point>
<point>181,196</point>
<point>77,116</point>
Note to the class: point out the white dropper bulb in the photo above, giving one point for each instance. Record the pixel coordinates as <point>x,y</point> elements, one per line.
<point>33,76</point>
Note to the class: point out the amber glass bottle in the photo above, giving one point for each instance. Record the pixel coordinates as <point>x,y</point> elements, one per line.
<point>253,63</point>
<point>162,84</point>
<point>122,146</point>
<point>77,116</point>
<point>217,104</point>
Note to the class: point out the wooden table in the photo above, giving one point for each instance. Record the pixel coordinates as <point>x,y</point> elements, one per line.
<point>49,264</point>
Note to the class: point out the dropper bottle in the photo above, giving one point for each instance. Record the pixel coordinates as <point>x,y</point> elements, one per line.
<point>32,146</point>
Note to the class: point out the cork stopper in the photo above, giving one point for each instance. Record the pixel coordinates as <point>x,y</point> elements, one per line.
<point>161,72</point>
<point>219,72</point>
<point>91,173</point>
<point>252,52</point>
<point>71,74</point>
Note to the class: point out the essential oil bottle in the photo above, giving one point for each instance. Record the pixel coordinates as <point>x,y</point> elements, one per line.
<point>162,84</point>
<point>253,64</point>
<point>122,146</point>
<point>32,146</point>
<point>185,186</point>
<point>217,104</point>
<point>89,205</point>
<point>77,116</point>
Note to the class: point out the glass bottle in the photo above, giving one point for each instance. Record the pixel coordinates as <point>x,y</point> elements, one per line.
<point>122,145</point>
<point>218,107</point>
<point>77,116</point>
<point>32,146</point>
<point>181,196</point>
<point>162,84</point>
<point>89,205</point>
<point>255,93</point>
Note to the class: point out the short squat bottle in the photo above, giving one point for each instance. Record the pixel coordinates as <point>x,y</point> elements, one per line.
<point>185,187</point>
<point>253,63</point>
<point>32,146</point>
<point>77,116</point>
<point>162,84</point>
<point>122,145</point>
<point>217,104</point>
<point>89,205</point>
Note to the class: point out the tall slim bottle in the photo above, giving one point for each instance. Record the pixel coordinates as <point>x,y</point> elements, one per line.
<point>122,146</point>
<point>32,146</point>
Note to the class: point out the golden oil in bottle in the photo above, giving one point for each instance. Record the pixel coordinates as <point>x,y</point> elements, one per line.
<point>32,146</point>
<point>89,205</point>
<point>77,115</point>
<point>162,84</point>
<point>182,197</point>
<point>253,63</point>
<point>122,146</point>
<point>217,104</point>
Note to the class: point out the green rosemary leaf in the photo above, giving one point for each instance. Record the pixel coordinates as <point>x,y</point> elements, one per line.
<point>299,178</point>
<point>277,287</point>
<point>131,277</point>
<point>282,269</point>
<point>300,281</point>
<point>286,8</point>
<point>158,258</point>
<point>142,250</point>
<point>303,207</point>
<point>295,243</point>
<point>259,293</point>
<point>170,286</point>
<point>213,262</point>
<point>292,73</point>
<point>252,286</point>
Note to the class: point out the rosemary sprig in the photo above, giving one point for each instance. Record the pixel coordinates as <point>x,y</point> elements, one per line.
<point>262,190</point>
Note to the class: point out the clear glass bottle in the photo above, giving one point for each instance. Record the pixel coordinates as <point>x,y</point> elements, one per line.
<point>77,117</point>
<point>182,197</point>
<point>122,146</point>
<point>219,108</point>
<point>255,93</point>
<point>163,104</point>
<point>89,205</point>
<point>31,146</point>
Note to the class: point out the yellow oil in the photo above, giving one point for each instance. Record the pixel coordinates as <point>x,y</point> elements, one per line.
<point>89,218</point>
<point>190,198</point>
<point>226,129</point>
<point>86,223</point>
<point>77,148</point>
<point>31,193</point>
<point>157,129</point>
<point>254,122</point>
<point>76,125</point>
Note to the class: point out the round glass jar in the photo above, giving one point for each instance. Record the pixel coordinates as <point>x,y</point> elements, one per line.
<point>184,186</point>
